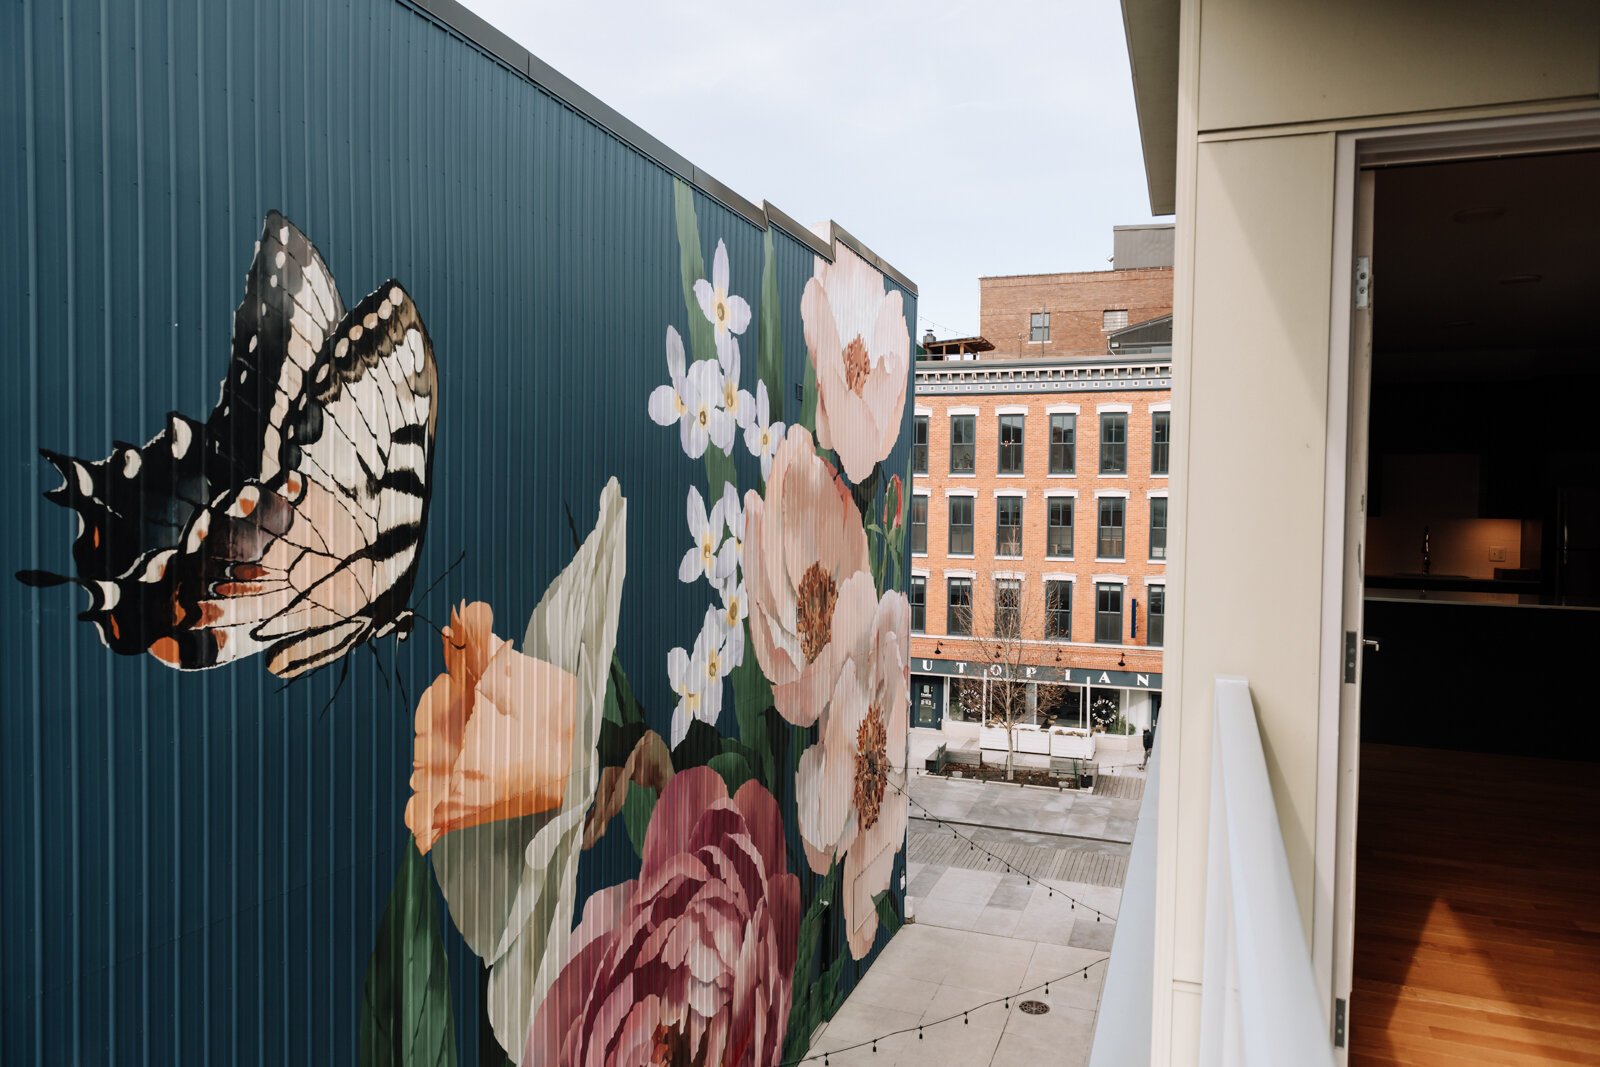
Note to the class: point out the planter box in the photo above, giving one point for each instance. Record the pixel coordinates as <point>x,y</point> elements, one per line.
<point>1028,739</point>
<point>1072,745</point>
<point>1119,742</point>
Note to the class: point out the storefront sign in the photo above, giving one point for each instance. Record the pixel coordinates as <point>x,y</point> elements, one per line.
<point>1025,673</point>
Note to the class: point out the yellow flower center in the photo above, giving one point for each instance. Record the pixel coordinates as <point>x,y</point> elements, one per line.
<point>712,664</point>
<point>707,551</point>
<point>814,617</point>
<point>857,365</point>
<point>719,307</point>
<point>766,439</point>
<point>678,405</point>
<point>732,614</point>
<point>705,417</point>
<point>872,767</point>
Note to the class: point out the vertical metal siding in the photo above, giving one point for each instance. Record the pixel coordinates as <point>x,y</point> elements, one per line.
<point>195,865</point>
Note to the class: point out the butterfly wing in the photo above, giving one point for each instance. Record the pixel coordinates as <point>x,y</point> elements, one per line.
<point>291,520</point>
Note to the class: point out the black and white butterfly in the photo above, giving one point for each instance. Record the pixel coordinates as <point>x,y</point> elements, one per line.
<point>291,521</point>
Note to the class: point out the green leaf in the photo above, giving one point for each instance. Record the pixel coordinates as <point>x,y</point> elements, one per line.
<point>621,707</point>
<point>636,812</point>
<point>406,1017</point>
<point>769,341</point>
<point>830,987</point>
<point>888,914</point>
<point>700,742</point>
<point>733,768</point>
<point>752,696</point>
<point>807,1009</point>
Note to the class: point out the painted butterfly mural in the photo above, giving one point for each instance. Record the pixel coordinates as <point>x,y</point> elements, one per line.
<point>290,522</point>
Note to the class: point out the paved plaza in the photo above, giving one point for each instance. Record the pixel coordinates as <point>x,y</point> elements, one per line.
<point>978,931</point>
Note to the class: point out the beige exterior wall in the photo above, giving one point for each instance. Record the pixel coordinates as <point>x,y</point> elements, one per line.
<point>1263,88</point>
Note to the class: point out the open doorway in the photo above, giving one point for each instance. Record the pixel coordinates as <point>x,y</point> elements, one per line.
<point>1477,844</point>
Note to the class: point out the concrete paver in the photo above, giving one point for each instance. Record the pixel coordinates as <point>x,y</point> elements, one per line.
<point>976,931</point>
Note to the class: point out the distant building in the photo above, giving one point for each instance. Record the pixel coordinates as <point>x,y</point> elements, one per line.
<point>1039,508</point>
<point>1033,316</point>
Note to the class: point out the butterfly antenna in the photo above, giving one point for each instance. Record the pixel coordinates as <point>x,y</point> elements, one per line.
<point>435,628</point>
<point>344,672</point>
<point>400,680</point>
<point>382,677</point>
<point>442,577</point>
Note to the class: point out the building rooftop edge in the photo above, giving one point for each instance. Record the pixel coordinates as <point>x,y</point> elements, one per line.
<point>477,31</point>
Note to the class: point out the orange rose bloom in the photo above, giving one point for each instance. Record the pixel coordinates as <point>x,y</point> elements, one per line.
<point>494,733</point>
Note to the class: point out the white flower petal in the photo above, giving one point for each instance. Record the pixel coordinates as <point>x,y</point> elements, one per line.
<point>677,669</point>
<point>763,410</point>
<point>664,404</point>
<point>721,429</point>
<point>738,314</point>
<point>674,355</point>
<point>706,299</point>
<point>696,511</point>
<point>746,415</point>
<point>689,569</point>
<point>719,267</point>
<point>694,438</point>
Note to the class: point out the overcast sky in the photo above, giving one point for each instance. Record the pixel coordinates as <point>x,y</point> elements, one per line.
<point>955,139</point>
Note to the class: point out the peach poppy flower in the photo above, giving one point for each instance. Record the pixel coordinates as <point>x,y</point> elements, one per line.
<point>849,786</point>
<point>493,733</point>
<point>858,341</point>
<point>805,572</point>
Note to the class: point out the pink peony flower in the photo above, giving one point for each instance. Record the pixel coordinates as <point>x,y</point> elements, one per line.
<point>804,545</point>
<point>857,337</point>
<point>849,787</point>
<point>693,961</point>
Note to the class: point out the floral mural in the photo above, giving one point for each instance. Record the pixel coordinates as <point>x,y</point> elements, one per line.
<point>695,882</point>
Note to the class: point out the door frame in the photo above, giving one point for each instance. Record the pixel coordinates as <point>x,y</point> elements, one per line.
<point>1338,711</point>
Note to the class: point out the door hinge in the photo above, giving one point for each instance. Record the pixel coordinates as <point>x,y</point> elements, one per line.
<point>1351,655</point>
<point>1363,282</point>
<point>1338,1022</point>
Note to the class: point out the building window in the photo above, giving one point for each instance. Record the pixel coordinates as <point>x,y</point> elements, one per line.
<point>1063,443</point>
<point>1058,540</point>
<point>1008,526</point>
<point>963,444</point>
<point>1160,441</point>
<point>1011,444</point>
<point>1158,527</point>
<point>1114,442</point>
<point>1114,319</point>
<point>960,525</point>
<point>1112,528</point>
<point>919,445</point>
<point>1008,607</point>
<point>1039,327</point>
<point>919,603</point>
<point>958,610</point>
<point>1155,624</point>
<point>1108,613</point>
<point>919,525</point>
<point>1058,610</point>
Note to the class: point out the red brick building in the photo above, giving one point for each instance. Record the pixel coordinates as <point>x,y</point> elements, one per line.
<point>1039,504</point>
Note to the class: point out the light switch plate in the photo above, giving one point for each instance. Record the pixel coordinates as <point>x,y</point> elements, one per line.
<point>1497,554</point>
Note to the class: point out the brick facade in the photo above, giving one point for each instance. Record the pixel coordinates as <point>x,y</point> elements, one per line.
<point>1136,569</point>
<point>1076,303</point>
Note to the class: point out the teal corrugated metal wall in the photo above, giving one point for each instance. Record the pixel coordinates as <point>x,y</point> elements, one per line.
<point>195,864</point>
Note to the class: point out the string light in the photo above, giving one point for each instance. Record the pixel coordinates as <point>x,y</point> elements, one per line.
<point>965,1018</point>
<point>973,846</point>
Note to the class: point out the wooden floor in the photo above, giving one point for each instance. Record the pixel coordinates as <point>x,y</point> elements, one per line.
<point>1477,910</point>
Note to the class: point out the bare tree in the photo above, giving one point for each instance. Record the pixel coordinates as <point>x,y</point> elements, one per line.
<point>1006,695</point>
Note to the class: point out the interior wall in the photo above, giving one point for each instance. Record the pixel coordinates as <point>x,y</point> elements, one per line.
<point>1455,546</point>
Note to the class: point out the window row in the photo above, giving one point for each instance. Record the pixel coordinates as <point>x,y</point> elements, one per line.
<point>1039,323</point>
<point>1063,444</point>
<point>1055,620</point>
<point>1111,531</point>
